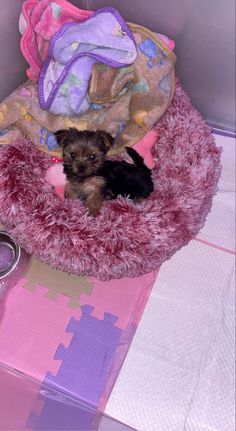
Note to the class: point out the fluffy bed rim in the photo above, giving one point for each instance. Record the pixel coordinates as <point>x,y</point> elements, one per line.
<point>125,240</point>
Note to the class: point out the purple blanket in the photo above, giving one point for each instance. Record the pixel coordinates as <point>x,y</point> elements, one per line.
<point>74,49</point>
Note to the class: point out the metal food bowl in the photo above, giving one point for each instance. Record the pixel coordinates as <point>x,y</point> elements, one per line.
<point>10,254</point>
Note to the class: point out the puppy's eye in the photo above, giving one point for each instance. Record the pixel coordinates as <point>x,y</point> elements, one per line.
<point>73,156</point>
<point>92,157</point>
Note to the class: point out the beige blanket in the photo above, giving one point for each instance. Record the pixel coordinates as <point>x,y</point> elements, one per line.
<point>125,102</point>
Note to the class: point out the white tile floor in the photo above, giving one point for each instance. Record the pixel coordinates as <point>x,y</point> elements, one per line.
<point>179,372</point>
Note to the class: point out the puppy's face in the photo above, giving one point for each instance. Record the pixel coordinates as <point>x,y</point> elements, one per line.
<point>83,152</point>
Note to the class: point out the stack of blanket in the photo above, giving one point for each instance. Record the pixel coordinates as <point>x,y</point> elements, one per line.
<point>89,71</point>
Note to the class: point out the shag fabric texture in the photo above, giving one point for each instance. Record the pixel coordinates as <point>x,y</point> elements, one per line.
<point>125,239</point>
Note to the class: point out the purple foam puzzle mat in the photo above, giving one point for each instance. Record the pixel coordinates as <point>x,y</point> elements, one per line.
<point>87,360</point>
<point>72,355</point>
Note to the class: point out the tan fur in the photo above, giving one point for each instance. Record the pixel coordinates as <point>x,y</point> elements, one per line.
<point>92,189</point>
<point>83,155</point>
<point>91,178</point>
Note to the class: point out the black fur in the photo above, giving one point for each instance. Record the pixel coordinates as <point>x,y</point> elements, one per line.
<point>84,157</point>
<point>126,179</point>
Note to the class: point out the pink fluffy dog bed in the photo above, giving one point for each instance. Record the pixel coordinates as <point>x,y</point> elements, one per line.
<point>125,239</point>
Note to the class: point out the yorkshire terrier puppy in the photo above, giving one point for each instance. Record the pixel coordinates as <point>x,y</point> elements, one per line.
<point>93,178</point>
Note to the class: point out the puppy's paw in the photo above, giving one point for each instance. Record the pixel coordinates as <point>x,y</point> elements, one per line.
<point>94,212</point>
<point>94,206</point>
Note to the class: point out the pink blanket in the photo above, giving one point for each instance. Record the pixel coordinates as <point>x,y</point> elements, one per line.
<point>39,21</point>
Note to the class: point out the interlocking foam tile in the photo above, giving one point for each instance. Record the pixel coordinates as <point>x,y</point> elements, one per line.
<point>31,330</point>
<point>83,373</point>
<point>57,282</point>
<point>34,325</point>
<point>16,400</point>
<point>87,360</point>
<point>125,298</point>
<point>59,413</point>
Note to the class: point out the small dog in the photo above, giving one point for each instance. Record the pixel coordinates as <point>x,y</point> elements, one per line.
<point>93,178</point>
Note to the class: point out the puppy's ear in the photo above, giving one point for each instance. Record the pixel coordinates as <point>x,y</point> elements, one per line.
<point>64,137</point>
<point>105,139</point>
<point>61,137</point>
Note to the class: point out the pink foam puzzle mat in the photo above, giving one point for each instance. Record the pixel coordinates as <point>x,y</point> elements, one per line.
<point>63,340</point>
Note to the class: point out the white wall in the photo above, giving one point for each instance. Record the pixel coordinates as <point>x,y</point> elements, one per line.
<point>204,32</point>
<point>12,64</point>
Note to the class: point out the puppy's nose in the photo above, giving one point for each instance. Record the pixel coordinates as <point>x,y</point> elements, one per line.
<point>81,168</point>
